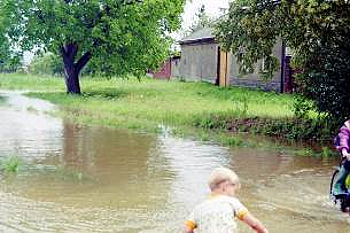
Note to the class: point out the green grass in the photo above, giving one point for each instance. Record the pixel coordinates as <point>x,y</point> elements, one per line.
<point>128,103</point>
<point>30,82</point>
<point>149,105</point>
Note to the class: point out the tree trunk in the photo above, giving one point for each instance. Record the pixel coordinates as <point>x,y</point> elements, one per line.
<point>71,78</point>
<point>72,69</point>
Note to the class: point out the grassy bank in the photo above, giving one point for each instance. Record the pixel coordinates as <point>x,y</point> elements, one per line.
<point>149,104</point>
<point>30,82</point>
<point>153,102</point>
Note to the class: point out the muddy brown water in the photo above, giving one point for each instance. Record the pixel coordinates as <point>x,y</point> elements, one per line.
<point>92,179</point>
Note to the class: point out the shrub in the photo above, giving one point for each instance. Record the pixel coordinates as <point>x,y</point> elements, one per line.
<point>47,64</point>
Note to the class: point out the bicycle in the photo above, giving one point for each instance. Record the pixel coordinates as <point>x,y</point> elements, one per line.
<point>343,199</point>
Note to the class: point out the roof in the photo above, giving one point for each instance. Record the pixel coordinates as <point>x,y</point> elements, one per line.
<point>202,34</point>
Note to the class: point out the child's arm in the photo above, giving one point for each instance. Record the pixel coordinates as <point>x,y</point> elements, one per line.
<point>190,226</point>
<point>254,223</point>
<point>188,230</point>
<point>345,153</point>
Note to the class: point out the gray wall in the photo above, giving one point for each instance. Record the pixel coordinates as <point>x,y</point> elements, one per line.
<point>253,80</point>
<point>199,62</point>
<point>175,67</point>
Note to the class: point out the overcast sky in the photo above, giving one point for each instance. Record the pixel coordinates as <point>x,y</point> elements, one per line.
<point>212,8</point>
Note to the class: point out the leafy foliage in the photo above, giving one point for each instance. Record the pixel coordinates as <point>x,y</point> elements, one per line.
<point>250,34</point>
<point>119,36</point>
<point>317,31</point>
<point>329,84</point>
<point>9,57</point>
<point>47,64</point>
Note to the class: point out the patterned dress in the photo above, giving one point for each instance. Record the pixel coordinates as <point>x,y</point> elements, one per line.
<point>217,215</point>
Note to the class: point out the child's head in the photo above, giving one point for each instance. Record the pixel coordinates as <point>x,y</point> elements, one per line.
<point>224,180</point>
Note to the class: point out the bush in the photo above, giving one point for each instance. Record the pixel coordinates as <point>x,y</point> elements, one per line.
<point>328,85</point>
<point>47,64</point>
<point>10,65</point>
<point>50,64</point>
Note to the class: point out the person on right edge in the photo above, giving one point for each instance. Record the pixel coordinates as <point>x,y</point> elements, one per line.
<point>342,145</point>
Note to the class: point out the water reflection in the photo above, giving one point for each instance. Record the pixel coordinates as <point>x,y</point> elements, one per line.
<point>94,179</point>
<point>25,128</point>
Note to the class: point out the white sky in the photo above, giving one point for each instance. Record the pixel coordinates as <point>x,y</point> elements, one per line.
<point>212,8</point>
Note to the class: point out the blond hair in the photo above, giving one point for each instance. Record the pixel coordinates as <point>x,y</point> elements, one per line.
<point>220,175</point>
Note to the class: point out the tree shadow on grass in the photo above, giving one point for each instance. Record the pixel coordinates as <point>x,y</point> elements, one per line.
<point>106,93</point>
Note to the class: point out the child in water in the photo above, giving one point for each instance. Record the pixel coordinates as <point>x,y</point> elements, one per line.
<point>218,213</point>
<point>342,145</point>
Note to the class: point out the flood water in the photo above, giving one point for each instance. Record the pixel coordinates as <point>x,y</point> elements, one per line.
<point>92,179</point>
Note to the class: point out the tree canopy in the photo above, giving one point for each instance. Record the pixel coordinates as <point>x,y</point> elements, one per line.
<point>9,56</point>
<point>118,36</point>
<point>317,32</point>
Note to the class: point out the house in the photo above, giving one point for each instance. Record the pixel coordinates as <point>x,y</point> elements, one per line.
<point>203,60</point>
<point>169,68</point>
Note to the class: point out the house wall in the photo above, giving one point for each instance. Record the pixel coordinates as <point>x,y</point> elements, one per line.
<point>199,62</point>
<point>190,62</point>
<point>254,80</point>
<point>209,62</point>
<point>164,71</point>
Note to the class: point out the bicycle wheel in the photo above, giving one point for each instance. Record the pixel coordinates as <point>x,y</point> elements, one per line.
<point>331,185</point>
<point>343,201</point>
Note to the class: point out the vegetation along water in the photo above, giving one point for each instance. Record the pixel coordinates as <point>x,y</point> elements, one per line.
<point>149,104</point>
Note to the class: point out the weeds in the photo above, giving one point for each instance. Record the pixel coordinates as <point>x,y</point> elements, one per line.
<point>232,141</point>
<point>10,164</point>
<point>142,106</point>
<point>32,109</point>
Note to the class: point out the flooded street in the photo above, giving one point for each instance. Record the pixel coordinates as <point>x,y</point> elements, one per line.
<point>92,179</point>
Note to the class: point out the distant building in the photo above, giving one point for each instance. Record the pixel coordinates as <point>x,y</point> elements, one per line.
<point>202,60</point>
<point>170,68</point>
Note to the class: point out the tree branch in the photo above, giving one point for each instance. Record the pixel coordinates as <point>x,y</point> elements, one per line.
<point>83,61</point>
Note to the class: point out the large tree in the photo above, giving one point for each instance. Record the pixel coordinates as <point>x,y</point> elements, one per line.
<point>9,56</point>
<point>118,36</point>
<point>317,32</point>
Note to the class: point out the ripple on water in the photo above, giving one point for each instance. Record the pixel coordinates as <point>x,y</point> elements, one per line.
<point>94,179</point>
